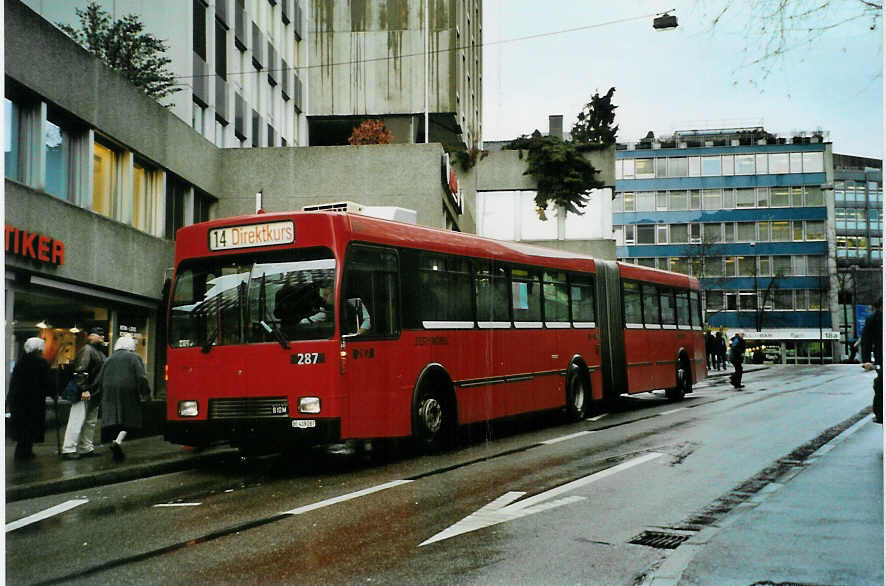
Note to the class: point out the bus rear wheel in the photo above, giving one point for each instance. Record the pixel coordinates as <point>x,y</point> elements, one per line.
<point>432,420</point>
<point>576,395</point>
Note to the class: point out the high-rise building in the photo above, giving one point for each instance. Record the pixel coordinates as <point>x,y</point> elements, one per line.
<point>257,73</point>
<point>751,215</point>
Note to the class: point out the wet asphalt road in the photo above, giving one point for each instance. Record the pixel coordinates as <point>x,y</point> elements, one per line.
<point>532,502</point>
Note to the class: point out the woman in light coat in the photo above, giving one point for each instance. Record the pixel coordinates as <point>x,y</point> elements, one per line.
<point>123,385</point>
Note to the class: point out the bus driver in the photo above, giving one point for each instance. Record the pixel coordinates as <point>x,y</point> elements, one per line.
<point>353,306</point>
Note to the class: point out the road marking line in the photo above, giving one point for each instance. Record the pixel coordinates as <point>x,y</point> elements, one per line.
<point>346,497</point>
<point>505,509</point>
<point>50,512</point>
<point>177,505</point>
<point>598,417</point>
<point>672,411</point>
<point>564,438</point>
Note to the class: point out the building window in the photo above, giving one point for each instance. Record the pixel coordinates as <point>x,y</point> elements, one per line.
<point>781,266</point>
<point>646,234</point>
<point>728,165</point>
<point>762,163</point>
<point>661,167</point>
<point>778,163</point>
<point>677,167</point>
<point>11,138</point>
<point>710,165</point>
<point>744,165</point>
<point>813,162</point>
<point>694,166</point>
<point>781,231</point>
<point>646,201</point>
<point>146,198</point>
<point>815,230</point>
<point>796,162</point>
<point>176,196</point>
<point>780,197</point>
<point>677,200</point>
<point>628,168</point>
<point>104,184</point>
<point>200,28</point>
<point>198,113</point>
<point>56,146</point>
<point>629,201</point>
<point>747,232</point>
<point>745,198</point>
<point>643,169</point>
<point>814,196</point>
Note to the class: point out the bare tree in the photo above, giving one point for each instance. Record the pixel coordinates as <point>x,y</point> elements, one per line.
<point>778,27</point>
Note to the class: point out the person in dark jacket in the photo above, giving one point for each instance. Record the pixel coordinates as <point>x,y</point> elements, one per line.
<point>736,356</point>
<point>28,389</point>
<point>872,355</point>
<point>721,351</point>
<point>80,431</point>
<point>710,346</point>
<point>121,386</point>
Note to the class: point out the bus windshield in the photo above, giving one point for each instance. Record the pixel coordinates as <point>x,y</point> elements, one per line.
<point>253,298</point>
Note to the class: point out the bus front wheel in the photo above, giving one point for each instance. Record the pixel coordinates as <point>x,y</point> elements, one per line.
<point>432,420</point>
<point>576,395</point>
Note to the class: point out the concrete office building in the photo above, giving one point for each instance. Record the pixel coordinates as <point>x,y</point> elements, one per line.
<point>98,177</point>
<point>265,73</point>
<point>752,216</point>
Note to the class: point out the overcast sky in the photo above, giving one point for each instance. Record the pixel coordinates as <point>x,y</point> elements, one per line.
<point>687,78</point>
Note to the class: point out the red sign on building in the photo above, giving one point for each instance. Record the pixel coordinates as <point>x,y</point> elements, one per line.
<point>34,246</point>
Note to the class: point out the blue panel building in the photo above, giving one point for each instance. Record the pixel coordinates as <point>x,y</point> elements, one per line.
<point>751,215</point>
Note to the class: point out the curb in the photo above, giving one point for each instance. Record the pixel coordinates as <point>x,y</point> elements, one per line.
<point>104,477</point>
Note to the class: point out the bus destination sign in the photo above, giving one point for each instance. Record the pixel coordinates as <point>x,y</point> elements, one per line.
<point>250,235</point>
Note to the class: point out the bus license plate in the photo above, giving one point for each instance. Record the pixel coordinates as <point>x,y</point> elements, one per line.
<point>303,423</point>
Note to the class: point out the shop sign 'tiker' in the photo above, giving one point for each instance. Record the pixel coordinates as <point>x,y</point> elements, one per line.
<point>34,246</point>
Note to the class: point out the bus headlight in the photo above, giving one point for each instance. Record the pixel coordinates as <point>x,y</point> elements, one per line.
<point>309,404</point>
<point>188,409</point>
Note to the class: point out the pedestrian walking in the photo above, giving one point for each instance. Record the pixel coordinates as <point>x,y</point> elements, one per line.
<point>872,355</point>
<point>80,431</point>
<point>710,346</point>
<point>122,385</point>
<point>721,351</point>
<point>28,388</point>
<point>736,357</point>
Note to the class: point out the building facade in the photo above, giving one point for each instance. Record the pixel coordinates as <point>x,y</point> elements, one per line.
<point>858,223</point>
<point>267,73</point>
<point>752,216</point>
<point>98,178</point>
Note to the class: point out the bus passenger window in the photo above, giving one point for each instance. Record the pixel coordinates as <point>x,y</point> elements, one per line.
<point>526,292</point>
<point>668,312</point>
<point>493,297</point>
<point>445,288</point>
<point>556,296</point>
<point>651,316</point>
<point>683,316</point>
<point>582,298</point>
<point>633,309</point>
<point>694,309</point>
<point>369,301</point>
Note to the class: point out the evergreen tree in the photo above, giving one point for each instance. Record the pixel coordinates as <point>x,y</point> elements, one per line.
<point>125,47</point>
<point>594,124</point>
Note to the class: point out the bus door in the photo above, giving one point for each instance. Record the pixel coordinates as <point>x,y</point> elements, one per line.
<point>610,321</point>
<point>373,368</point>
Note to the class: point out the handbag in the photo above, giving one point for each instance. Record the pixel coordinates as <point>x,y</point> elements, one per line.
<point>70,393</point>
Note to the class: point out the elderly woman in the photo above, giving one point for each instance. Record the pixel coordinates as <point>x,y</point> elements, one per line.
<point>28,389</point>
<point>123,384</point>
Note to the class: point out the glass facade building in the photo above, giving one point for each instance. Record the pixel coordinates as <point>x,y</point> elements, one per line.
<point>750,215</point>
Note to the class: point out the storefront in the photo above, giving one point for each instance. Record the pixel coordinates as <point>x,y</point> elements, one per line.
<point>41,300</point>
<point>799,346</point>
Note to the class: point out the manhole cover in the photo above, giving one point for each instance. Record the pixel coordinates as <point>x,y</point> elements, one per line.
<point>659,539</point>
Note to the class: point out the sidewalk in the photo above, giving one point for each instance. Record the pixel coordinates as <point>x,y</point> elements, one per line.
<point>822,526</point>
<point>49,474</point>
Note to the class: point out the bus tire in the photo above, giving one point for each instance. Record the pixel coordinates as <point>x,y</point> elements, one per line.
<point>433,418</point>
<point>577,394</point>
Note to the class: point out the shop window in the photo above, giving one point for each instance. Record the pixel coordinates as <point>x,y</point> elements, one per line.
<point>11,138</point>
<point>104,187</point>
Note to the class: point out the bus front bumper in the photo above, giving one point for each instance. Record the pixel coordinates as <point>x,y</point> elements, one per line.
<point>278,433</point>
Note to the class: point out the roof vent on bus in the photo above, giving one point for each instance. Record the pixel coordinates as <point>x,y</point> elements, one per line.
<point>339,206</point>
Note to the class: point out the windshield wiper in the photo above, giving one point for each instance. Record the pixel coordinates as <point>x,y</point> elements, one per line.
<point>210,342</point>
<point>272,328</point>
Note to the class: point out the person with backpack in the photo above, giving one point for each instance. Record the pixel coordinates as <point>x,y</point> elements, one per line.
<point>872,355</point>
<point>736,357</point>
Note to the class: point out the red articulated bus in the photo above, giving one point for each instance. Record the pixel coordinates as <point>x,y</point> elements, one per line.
<point>319,327</point>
